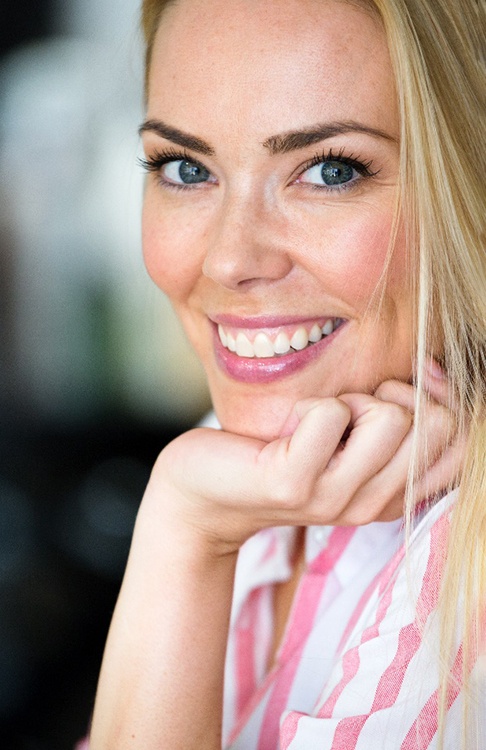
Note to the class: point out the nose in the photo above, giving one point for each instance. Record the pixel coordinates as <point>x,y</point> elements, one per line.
<point>246,245</point>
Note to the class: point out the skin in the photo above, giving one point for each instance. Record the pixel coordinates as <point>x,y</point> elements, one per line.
<point>258,238</point>
<point>261,239</point>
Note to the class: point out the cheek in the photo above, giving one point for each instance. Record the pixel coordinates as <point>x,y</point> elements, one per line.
<point>170,253</point>
<point>355,256</point>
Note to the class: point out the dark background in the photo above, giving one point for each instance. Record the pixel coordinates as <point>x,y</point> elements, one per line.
<point>70,485</point>
<point>23,21</point>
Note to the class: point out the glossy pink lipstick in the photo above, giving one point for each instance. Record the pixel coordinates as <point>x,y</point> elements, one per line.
<point>264,332</point>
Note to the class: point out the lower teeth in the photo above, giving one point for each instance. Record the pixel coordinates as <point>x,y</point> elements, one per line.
<point>294,351</point>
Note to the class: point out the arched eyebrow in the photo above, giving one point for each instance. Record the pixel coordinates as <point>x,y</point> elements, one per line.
<point>177,136</point>
<point>292,140</point>
<point>298,139</point>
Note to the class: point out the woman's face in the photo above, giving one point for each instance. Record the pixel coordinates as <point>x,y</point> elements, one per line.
<point>272,142</point>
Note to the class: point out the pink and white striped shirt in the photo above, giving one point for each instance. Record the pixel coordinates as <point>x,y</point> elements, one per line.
<point>354,671</point>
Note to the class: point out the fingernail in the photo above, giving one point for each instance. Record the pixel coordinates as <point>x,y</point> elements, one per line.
<point>435,370</point>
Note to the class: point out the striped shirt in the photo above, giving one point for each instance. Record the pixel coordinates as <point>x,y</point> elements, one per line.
<point>354,670</point>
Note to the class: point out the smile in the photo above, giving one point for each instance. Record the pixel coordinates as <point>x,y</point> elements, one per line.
<point>266,344</point>
<point>266,350</point>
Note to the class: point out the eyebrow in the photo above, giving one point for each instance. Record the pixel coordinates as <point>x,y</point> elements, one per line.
<point>298,139</point>
<point>176,136</point>
<point>292,140</point>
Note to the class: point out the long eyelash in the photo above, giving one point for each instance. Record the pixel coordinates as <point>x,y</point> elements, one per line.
<point>156,161</point>
<point>362,167</point>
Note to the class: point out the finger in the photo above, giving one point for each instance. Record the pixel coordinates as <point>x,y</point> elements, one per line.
<point>438,466</point>
<point>326,407</point>
<point>206,462</point>
<point>256,484</point>
<point>381,497</point>
<point>386,504</point>
<point>444,474</point>
<point>377,430</point>
<point>252,474</point>
<point>439,424</point>
<point>436,383</point>
<point>320,426</point>
<point>398,392</point>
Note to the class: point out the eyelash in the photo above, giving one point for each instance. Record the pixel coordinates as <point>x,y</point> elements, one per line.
<point>155,162</point>
<point>363,168</point>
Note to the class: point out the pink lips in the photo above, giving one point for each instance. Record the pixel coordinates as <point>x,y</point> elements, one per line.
<point>264,370</point>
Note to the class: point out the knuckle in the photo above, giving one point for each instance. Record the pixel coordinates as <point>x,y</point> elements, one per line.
<point>341,408</point>
<point>287,494</point>
<point>441,419</point>
<point>367,510</point>
<point>389,389</point>
<point>357,515</point>
<point>396,416</point>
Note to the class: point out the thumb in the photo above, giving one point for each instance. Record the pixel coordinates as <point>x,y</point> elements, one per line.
<point>297,413</point>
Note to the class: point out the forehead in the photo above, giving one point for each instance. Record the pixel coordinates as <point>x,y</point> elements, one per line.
<point>270,61</point>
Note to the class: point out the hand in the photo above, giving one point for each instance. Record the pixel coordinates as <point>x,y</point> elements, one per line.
<point>223,488</point>
<point>339,461</point>
<point>227,487</point>
<point>441,449</point>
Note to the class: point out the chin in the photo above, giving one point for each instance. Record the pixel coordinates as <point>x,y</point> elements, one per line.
<point>263,420</point>
<point>253,428</point>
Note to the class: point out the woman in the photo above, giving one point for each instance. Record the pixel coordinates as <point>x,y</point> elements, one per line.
<point>314,211</point>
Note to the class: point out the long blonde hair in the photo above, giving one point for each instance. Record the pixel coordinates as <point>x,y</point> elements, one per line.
<point>438,55</point>
<point>437,51</point>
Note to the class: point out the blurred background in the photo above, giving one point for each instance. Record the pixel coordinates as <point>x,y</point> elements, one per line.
<point>95,375</point>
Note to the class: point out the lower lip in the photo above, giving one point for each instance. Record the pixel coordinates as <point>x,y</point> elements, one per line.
<point>265,370</point>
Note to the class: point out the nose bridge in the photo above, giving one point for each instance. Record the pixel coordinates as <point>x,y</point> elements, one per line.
<point>239,212</point>
<point>244,244</point>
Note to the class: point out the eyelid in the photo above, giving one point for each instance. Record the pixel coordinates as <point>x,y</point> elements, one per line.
<point>361,166</point>
<point>154,163</point>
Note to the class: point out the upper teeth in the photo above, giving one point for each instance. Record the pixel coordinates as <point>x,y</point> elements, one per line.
<point>263,345</point>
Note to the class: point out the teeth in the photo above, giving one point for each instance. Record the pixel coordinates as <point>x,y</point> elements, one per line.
<point>243,346</point>
<point>263,346</point>
<point>328,328</point>
<point>300,339</point>
<point>282,343</point>
<point>315,334</point>
<point>222,335</point>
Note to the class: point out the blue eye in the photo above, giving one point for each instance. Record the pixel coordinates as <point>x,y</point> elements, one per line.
<point>330,173</point>
<point>336,172</point>
<point>185,172</point>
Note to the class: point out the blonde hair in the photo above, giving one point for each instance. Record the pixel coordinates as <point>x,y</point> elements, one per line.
<point>437,51</point>
<point>150,19</point>
<point>437,54</point>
